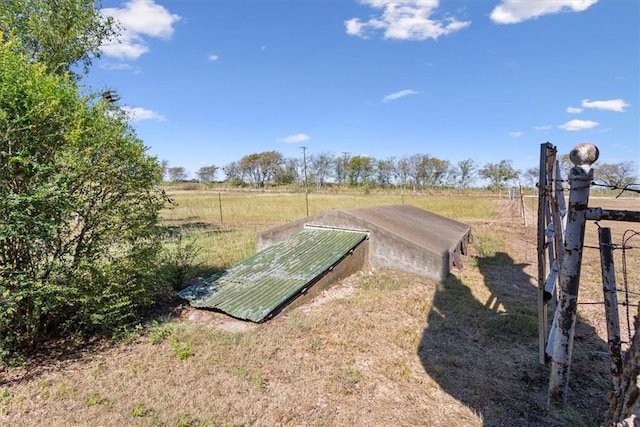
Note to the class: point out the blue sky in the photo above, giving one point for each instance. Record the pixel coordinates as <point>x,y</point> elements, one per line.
<point>209,81</point>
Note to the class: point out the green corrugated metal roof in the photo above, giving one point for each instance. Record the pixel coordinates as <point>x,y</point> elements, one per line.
<point>264,282</point>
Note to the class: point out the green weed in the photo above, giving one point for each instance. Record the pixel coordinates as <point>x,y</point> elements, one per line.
<point>140,410</point>
<point>126,333</point>
<point>348,379</point>
<point>240,372</point>
<point>160,333</point>
<point>261,381</point>
<point>488,245</point>
<point>94,399</point>
<point>187,420</point>
<point>178,262</point>
<point>182,350</point>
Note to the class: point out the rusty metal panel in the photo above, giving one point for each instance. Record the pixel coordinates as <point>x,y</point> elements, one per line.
<point>265,282</point>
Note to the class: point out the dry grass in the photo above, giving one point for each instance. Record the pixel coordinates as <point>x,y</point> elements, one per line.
<point>379,348</point>
<point>196,214</point>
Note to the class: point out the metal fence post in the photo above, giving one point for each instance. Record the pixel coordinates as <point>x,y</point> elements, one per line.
<point>580,177</point>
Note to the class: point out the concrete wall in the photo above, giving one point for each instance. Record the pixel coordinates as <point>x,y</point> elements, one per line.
<point>401,237</point>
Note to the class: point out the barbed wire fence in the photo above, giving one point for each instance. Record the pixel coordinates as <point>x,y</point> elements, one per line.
<point>561,230</point>
<point>628,188</point>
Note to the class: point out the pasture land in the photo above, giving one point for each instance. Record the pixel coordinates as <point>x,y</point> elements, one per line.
<point>379,348</point>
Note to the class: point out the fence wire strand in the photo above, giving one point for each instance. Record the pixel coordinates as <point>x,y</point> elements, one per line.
<point>633,188</point>
<point>625,276</point>
<point>624,290</point>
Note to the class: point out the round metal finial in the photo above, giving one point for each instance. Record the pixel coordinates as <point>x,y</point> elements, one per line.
<point>584,155</point>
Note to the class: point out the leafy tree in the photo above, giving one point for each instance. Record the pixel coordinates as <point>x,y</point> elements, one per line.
<point>466,172</point>
<point>79,208</point>
<point>288,173</point>
<point>232,173</point>
<point>177,173</point>
<point>424,170</point>
<point>385,170</point>
<point>341,167</point>
<point>432,172</point>
<point>164,167</point>
<point>207,173</point>
<point>261,167</point>
<point>403,170</point>
<point>565,165</point>
<point>57,33</point>
<point>360,169</point>
<point>532,175</point>
<point>413,163</point>
<point>616,174</point>
<point>320,167</point>
<point>499,174</point>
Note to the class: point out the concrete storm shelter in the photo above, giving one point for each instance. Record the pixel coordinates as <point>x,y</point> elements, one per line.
<point>303,257</point>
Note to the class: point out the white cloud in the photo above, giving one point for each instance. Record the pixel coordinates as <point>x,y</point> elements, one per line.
<point>295,139</point>
<point>576,125</point>
<point>136,114</point>
<point>515,11</point>
<point>400,94</point>
<point>138,19</point>
<point>115,66</point>
<point>618,105</point>
<point>404,20</point>
<point>543,127</point>
<point>127,49</point>
<point>574,110</point>
<point>516,134</point>
<point>212,58</point>
<point>120,66</point>
<point>354,27</point>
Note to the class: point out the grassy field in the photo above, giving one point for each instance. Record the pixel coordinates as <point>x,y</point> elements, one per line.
<point>225,224</point>
<point>379,348</point>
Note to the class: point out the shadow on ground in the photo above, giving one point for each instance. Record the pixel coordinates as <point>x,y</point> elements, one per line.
<point>199,227</point>
<point>485,354</point>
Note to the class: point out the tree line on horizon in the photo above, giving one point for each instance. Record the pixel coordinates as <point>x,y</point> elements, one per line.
<point>415,172</point>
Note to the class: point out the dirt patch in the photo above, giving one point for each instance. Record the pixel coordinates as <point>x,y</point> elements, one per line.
<point>340,290</point>
<point>214,319</point>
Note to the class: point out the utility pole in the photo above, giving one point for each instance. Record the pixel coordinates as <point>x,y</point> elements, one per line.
<point>306,188</point>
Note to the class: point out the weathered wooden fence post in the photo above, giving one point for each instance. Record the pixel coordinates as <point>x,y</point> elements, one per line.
<point>580,177</point>
<point>547,157</point>
<point>220,205</point>
<point>611,306</point>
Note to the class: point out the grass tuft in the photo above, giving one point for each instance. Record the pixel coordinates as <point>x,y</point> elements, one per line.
<point>508,325</point>
<point>160,333</point>
<point>182,350</point>
<point>488,244</point>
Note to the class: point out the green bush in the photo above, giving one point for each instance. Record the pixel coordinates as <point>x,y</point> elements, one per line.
<point>177,262</point>
<point>79,209</point>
